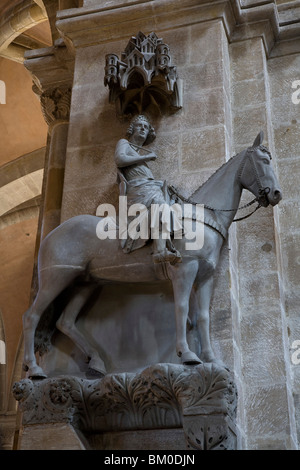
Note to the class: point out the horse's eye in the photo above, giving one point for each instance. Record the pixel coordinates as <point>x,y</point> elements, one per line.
<point>266,161</point>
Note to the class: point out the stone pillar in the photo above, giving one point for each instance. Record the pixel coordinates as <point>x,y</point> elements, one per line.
<point>56,108</point>
<point>263,375</point>
<point>52,71</point>
<point>283,69</point>
<point>7,430</point>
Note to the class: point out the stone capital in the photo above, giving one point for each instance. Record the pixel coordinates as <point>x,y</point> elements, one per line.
<point>56,103</point>
<point>52,71</point>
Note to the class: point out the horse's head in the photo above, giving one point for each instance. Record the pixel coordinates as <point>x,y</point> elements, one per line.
<point>257,174</point>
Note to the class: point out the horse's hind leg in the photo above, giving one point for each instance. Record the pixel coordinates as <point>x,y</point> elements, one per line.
<point>51,283</point>
<point>66,324</point>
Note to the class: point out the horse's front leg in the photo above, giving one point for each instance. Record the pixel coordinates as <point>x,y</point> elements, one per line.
<point>183,277</point>
<point>203,293</point>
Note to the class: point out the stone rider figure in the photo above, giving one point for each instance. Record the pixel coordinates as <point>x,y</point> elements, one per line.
<point>141,187</point>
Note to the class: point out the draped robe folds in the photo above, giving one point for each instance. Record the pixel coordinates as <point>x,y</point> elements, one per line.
<point>142,188</point>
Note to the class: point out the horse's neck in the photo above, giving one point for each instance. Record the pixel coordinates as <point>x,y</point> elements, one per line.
<point>222,191</point>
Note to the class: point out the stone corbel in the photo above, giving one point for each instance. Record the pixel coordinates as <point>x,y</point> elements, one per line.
<point>50,68</point>
<point>144,80</point>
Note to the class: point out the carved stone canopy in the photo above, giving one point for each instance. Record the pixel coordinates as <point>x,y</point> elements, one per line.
<point>144,80</point>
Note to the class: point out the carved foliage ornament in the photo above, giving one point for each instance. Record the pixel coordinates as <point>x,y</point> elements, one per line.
<point>56,104</point>
<point>144,79</point>
<point>201,399</point>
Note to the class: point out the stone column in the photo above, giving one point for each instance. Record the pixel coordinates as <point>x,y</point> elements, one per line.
<point>262,373</point>
<point>56,109</point>
<point>7,430</point>
<point>283,69</point>
<point>52,71</point>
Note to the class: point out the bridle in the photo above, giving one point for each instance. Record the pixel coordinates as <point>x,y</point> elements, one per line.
<point>263,191</point>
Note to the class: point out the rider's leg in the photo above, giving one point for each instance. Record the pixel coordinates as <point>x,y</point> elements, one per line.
<point>163,248</point>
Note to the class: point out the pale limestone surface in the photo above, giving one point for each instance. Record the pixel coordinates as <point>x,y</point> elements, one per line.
<point>237,81</point>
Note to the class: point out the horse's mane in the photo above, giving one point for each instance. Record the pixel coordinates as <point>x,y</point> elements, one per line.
<point>176,192</point>
<point>260,147</point>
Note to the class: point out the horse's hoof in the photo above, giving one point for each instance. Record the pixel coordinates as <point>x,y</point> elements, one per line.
<point>36,373</point>
<point>211,358</point>
<point>94,374</point>
<point>96,367</point>
<point>189,358</point>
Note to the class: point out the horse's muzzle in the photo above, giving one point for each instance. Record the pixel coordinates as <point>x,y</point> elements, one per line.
<point>266,197</point>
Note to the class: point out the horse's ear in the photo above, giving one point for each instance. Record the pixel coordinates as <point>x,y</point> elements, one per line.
<point>259,139</point>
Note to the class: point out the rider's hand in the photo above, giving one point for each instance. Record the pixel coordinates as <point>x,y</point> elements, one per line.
<point>152,156</point>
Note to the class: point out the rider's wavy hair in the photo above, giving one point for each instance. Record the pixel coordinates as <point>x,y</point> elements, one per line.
<point>151,135</point>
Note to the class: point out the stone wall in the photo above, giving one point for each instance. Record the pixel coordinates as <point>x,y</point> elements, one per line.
<point>283,71</point>
<point>237,61</point>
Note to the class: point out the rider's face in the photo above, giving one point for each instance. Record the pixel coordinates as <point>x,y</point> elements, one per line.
<point>141,129</point>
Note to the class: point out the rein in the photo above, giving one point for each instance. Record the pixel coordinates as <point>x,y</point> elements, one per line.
<point>190,201</point>
<point>262,192</point>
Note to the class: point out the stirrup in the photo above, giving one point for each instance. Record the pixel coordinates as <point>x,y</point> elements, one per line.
<point>167,256</point>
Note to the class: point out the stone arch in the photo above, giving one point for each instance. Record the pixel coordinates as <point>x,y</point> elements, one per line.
<point>135,78</point>
<point>18,19</point>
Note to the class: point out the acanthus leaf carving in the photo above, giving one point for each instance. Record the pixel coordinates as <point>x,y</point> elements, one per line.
<point>56,104</point>
<point>160,396</point>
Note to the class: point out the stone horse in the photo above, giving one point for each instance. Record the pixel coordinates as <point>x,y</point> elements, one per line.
<point>72,250</point>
